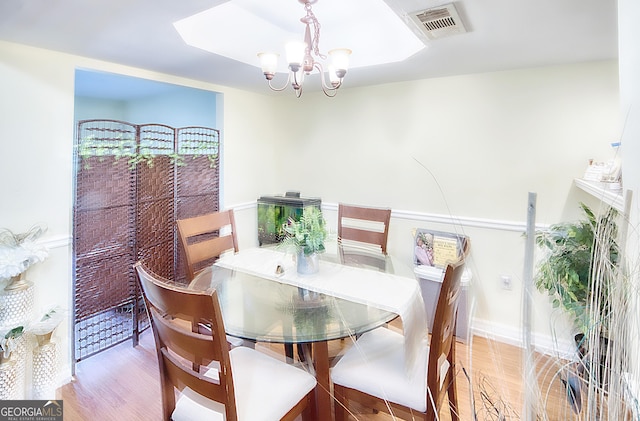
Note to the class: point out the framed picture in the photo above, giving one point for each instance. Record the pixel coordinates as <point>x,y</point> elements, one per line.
<point>436,248</point>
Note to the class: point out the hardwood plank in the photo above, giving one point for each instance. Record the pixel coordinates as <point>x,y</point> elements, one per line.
<point>119,383</point>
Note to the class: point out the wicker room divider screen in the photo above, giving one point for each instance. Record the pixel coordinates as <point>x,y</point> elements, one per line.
<point>132,183</point>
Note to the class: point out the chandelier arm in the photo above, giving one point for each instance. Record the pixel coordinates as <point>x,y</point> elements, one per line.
<point>273,88</point>
<point>329,91</point>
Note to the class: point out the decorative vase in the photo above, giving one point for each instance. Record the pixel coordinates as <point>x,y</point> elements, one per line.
<point>20,355</point>
<point>17,283</point>
<point>45,362</point>
<point>16,302</point>
<point>8,378</point>
<point>307,264</point>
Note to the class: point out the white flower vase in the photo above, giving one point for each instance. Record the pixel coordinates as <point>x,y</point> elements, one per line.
<point>13,369</point>
<point>8,378</point>
<point>16,302</point>
<point>45,363</point>
<point>16,309</point>
<point>307,264</point>
<point>20,356</point>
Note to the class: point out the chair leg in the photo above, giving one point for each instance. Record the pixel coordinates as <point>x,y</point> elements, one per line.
<point>304,352</point>
<point>453,399</point>
<point>452,390</point>
<point>340,404</point>
<point>288,352</point>
<point>309,413</point>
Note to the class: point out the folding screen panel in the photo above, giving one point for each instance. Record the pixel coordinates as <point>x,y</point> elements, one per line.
<point>132,183</point>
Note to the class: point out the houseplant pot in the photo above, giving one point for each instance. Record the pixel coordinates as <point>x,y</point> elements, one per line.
<point>306,238</point>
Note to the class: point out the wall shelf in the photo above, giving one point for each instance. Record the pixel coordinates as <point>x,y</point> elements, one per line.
<point>614,198</point>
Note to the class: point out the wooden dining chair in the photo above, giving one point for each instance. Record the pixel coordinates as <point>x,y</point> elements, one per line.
<point>373,371</point>
<point>363,225</point>
<point>213,382</point>
<point>202,241</point>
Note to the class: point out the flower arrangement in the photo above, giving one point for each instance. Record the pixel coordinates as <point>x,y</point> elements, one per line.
<point>308,233</point>
<point>48,322</point>
<point>18,252</point>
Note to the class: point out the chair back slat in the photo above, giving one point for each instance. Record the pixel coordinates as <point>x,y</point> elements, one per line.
<point>362,236</point>
<point>202,241</point>
<point>364,233</point>
<point>210,249</point>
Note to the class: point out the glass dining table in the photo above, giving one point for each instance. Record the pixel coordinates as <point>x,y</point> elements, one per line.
<point>263,300</point>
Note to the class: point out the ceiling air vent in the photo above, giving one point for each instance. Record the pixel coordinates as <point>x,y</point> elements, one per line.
<point>439,22</point>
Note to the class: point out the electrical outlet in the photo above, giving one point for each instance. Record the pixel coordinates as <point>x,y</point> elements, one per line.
<point>505,281</point>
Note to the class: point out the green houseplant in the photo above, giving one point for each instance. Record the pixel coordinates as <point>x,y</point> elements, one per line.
<point>565,273</point>
<point>578,272</point>
<point>306,237</point>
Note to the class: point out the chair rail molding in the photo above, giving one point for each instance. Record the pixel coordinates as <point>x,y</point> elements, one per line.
<point>56,242</point>
<point>451,219</point>
<point>494,224</point>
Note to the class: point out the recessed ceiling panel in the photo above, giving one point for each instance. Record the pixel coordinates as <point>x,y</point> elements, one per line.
<point>239,29</point>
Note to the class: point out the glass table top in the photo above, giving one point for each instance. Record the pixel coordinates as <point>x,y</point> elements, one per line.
<point>265,310</point>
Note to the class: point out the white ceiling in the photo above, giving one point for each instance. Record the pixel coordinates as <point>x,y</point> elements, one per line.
<point>502,35</point>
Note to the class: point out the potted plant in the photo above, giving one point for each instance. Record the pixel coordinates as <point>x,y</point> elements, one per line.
<point>577,271</point>
<point>306,237</point>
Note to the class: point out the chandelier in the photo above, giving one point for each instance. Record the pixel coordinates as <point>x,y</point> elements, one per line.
<point>300,57</point>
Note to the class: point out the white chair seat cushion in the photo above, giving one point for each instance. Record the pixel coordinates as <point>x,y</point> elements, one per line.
<point>375,365</point>
<point>265,389</point>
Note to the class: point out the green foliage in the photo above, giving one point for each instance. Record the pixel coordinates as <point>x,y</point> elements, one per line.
<point>124,147</point>
<point>14,333</point>
<point>308,233</point>
<point>571,251</point>
<point>117,147</point>
<point>7,341</point>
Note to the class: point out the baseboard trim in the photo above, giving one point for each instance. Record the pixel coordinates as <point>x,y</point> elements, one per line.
<point>544,344</point>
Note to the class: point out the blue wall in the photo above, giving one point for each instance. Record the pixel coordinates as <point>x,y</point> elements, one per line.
<point>102,95</point>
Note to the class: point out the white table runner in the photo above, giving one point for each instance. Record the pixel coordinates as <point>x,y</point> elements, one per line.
<point>386,291</point>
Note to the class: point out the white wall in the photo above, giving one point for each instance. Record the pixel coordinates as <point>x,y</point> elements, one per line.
<point>628,16</point>
<point>487,139</point>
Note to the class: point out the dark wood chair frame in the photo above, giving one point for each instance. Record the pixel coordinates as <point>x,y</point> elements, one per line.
<point>183,351</point>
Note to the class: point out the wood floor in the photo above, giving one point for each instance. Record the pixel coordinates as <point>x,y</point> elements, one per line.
<point>122,384</point>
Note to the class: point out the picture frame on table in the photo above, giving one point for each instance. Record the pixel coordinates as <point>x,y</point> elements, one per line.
<point>436,248</point>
